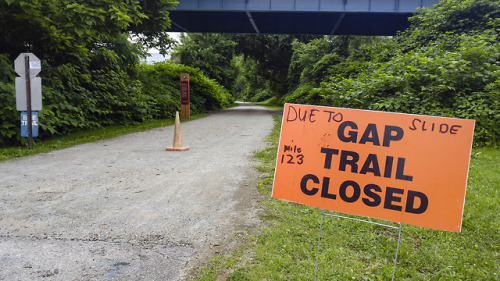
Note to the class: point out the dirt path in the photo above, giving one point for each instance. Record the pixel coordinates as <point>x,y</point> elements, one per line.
<point>125,209</point>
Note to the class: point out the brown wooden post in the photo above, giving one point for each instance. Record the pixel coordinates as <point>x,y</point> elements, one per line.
<point>185,103</point>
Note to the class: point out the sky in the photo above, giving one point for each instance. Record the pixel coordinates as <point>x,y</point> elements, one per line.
<point>156,56</point>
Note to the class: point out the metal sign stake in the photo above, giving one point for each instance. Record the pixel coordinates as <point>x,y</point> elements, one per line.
<point>28,94</point>
<point>344,217</point>
<point>319,241</point>
<point>397,251</point>
<point>28,100</point>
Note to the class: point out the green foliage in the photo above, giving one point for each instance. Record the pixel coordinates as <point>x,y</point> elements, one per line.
<point>254,66</point>
<point>285,248</point>
<point>305,94</point>
<point>161,81</point>
<point>151,32</point>
<point>305,56</point>
<point>449,18</point>
<point>446,64</point>
<point>85,136</point>
<point>90,70</point>
<point>330,57</point>
<point>9,118</point>
<point>73,100</point>
<point>431,81</point>
<point>249,84</point>
<point>6,69</point>
<point>8,113</point>
<point>262,95</point>
<point>272,54</point>
<point>62,31</point>
<point>211,53</point>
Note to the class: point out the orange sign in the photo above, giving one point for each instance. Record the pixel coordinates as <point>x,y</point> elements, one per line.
<point>397,167</point>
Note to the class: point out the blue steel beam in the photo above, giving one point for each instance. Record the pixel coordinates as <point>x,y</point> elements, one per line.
<point>387,6</point>
<point>336,17</point>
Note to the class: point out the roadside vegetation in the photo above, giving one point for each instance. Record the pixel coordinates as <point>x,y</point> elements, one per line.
<point>285,247</point>
<point>447,63</point>
<point>87,136</point>
<point>92,74</point>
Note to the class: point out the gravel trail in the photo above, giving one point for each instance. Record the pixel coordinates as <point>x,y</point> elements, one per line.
<point>126,209</point>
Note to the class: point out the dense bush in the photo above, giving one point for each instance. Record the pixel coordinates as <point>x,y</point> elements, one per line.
<point>161,81</point>
<point>464,83</point>
<point>89,66</point>
<point>446,64</point>
<point>74,100</point>
<point>211,53</point>
<point>8,110</point>
<point>249,84</point>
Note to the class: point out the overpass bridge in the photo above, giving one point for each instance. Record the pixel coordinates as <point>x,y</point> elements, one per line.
<point>327,17</point>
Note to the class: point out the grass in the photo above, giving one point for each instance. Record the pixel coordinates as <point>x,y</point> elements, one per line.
<point>271,103</point>
<point>86,136</point>
<point>285,249</point>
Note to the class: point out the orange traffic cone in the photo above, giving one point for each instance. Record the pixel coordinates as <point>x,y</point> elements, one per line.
<point>177,136</point>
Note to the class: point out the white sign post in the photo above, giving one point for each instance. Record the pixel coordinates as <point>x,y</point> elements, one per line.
<point>28,87</point>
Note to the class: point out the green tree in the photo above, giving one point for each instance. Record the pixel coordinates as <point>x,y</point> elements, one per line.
<point>68,31</point>
<point>273,54</point>
<point>212,53</point>
<point>446,64</point>
<point>249,84</point>
<point>89,65</point>
<point>152,29</point>
<point>305,56</point>
<point>447,20</point>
